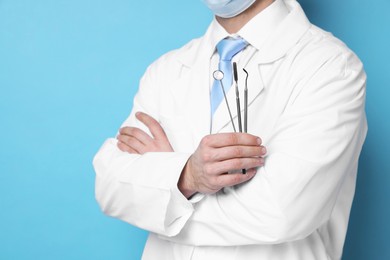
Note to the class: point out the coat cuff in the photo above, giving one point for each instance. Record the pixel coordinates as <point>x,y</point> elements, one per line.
<point>160,197</point>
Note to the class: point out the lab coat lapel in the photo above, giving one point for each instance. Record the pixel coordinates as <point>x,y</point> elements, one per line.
<point>191,90</point>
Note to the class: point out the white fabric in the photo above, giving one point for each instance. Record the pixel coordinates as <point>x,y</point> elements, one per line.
<point>306,96</point>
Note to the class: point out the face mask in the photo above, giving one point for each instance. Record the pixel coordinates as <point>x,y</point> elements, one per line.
<point>228,8</point>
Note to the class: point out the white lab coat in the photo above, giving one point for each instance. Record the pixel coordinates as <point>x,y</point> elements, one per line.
<point>306,102</point>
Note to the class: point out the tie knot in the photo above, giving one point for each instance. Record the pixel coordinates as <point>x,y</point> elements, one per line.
<point>229,47</point>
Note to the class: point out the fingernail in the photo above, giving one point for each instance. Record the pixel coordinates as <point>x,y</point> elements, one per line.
<point>264,150</point>
<point>252,172</point>
<point>258,141</point>
<point>261,160</point>
<point>249,172</point>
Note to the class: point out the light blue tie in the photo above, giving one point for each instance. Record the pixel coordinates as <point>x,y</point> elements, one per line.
<point>226,48</point>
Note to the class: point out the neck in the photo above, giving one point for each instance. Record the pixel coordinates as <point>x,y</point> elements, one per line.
<point>234,24</point>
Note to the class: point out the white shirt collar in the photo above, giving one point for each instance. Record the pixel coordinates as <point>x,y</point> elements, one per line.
<point>256,31</point>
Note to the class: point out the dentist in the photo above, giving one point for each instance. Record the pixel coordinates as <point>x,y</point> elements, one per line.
<point>175,167</point>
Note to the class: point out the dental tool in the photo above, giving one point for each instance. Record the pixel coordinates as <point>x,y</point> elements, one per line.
<point>246,103</point>
<point>218,75</point>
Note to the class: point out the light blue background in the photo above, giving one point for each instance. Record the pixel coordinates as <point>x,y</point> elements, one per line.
<point>68,72</point>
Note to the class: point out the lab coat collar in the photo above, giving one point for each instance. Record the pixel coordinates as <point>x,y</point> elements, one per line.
<point>259,29</point>
<point>272,32</point>
<point>255,32</point>
<point>286,35</point>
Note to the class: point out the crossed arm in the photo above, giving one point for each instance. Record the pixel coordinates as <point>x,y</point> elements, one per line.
<point>207,169</point>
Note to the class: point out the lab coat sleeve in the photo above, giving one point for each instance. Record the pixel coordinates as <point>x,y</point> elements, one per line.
<point>142,189</point>
<point>313,149</point>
